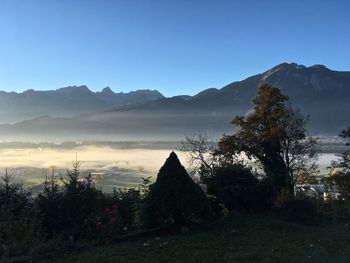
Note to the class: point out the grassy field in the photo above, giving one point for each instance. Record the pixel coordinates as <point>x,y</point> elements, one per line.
<point>254,238</point>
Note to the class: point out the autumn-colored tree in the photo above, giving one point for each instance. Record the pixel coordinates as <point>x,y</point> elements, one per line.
<point>274,134</point>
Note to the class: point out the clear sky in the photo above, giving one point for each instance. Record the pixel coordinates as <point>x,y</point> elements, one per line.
<point>174,46</point>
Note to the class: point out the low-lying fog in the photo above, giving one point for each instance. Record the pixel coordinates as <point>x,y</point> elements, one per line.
<point>110,166</point>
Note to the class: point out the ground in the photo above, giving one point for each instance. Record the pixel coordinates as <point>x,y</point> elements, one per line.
<point>249,238</point>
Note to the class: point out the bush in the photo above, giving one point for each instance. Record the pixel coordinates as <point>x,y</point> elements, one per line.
<point>341,181</point>
<point>218,209</point>
<point>283,196</point>
<point>175,198</point>
<point>302,211</point>
<point>239,189</point>
<point>19,235</point>
<point>129,202</point>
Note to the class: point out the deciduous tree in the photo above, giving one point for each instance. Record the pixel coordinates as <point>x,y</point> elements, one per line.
<point>274,134</point>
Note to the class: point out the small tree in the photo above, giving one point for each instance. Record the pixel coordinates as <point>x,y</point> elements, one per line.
<point>49,205</point>
<point>70,206</point>
<point>81,200</point>
<point>342,177</point>
<point>343,161</point>
<point>200,149</point>
<point>174,198</point>
<point>298,150</point>
<point>13,197</point>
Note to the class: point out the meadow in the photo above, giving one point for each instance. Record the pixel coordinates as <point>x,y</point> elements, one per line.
<point>241,238</point>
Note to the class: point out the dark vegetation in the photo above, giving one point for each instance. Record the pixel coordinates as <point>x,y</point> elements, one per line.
<point>175,198</point>
<point>239,189</point>
<point>71,214</point>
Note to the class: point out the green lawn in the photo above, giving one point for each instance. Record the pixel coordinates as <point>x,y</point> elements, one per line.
<point>254,238</point>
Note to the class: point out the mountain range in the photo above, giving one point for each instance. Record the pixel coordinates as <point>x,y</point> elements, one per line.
<point>65,102</point>
<point>319,92</point>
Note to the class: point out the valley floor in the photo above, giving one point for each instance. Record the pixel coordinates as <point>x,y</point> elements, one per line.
<point>253,238</point>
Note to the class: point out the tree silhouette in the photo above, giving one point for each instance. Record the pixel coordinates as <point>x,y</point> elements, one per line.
<point>275,135</point>
<point>175,198</point>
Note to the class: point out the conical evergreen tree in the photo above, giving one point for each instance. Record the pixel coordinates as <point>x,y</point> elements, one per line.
<point>175,198</point>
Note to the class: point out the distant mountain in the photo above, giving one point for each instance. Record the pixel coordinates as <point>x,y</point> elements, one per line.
<point>318,91</point>
<point>64,102</point>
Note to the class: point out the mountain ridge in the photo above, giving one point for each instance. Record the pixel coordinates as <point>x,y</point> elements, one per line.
<point>318,91</point>
<point>65,102</point>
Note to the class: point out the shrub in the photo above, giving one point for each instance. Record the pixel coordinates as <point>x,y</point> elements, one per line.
<point>19,235</point>
<point>282,197</point>
<point>129,202</point>
<point>341,181</point>
<point>218,209</point>
<point>175,198</point>
<point>72,209</point>
<point>301,211</point>
<point>239,189</point>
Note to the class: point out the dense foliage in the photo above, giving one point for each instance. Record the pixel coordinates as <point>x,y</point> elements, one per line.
<point>238,188</point>
<point>175,198</point>
<point>68,210</point>
<point>300,211</point>
<point>72,208</point>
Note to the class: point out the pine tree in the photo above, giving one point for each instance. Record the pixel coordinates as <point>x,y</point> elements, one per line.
<point>175,198</point>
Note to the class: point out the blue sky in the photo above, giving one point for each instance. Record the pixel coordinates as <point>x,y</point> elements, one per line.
<point>174,46</point>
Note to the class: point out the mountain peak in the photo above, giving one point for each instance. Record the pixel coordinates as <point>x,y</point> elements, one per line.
<point>294,69</point>
<point>70,89</point>
<point>107,90</point>
<point>319,67</point>
<point>289,66</point>
<point>295,66</point>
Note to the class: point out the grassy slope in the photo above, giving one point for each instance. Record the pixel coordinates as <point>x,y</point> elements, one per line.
<point>255,238</point>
